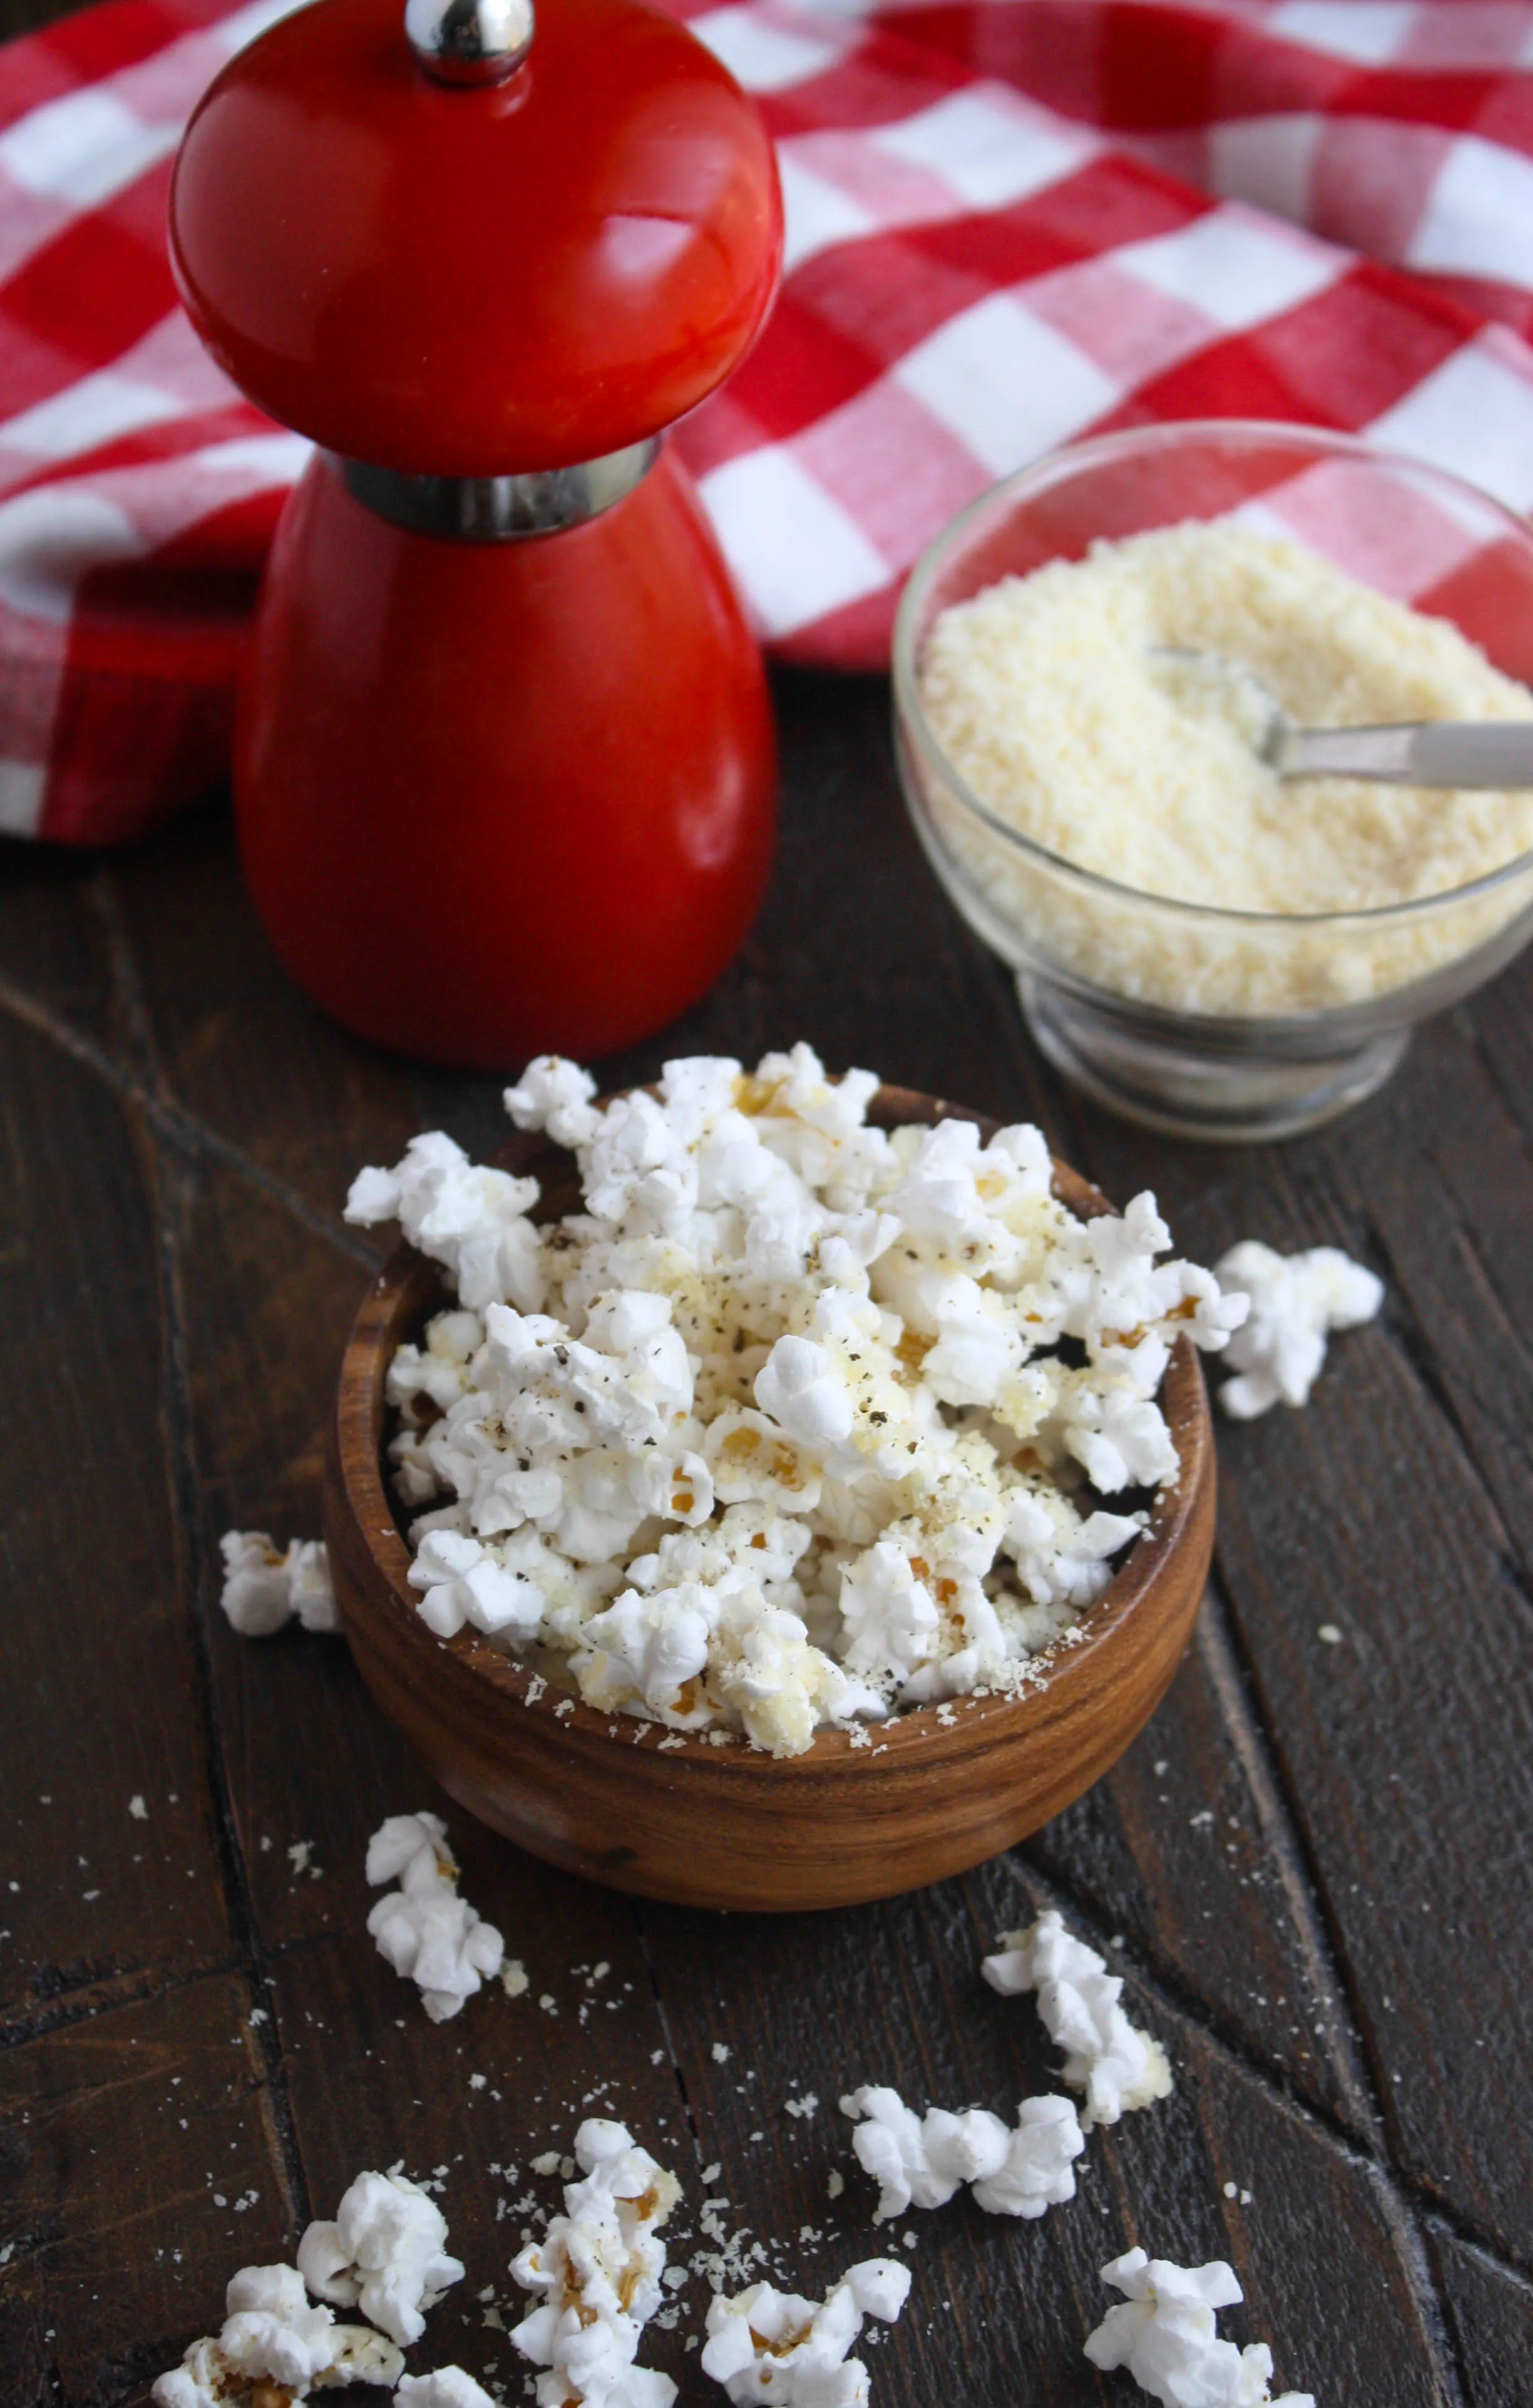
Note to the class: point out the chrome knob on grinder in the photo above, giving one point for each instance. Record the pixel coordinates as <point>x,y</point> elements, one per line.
<point>470,41</point>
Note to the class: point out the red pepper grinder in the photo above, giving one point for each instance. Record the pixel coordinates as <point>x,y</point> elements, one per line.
<point>504,769</point>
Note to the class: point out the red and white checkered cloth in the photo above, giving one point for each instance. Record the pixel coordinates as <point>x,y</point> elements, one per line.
<point>1010,223</point>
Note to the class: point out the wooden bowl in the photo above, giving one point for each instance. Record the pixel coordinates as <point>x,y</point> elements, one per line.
<point>667,1814</point>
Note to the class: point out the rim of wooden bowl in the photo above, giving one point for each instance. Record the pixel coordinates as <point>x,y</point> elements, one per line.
<point>410,1288</point>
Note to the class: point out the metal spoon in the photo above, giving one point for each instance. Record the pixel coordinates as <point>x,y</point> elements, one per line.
<point>1430,752</point>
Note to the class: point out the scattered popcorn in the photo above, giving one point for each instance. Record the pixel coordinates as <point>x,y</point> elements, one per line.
<point>427,1932</point>
<point>1035,2172</point>
<point>921,2160</point>
<point>264,1586</point>
<point>769,2344</point>
<point>449,2388</point>
<point>1163,2335</point>
<point>601,2271</point>
<point>384,2253</point>
<point>776,1433</point>
<point>138,1809</point>
<point>1116,2065</point>
<point>1295,1300</point>
<point>272,2336</point>
<point>514,1977</point>
<point>471,1221</point>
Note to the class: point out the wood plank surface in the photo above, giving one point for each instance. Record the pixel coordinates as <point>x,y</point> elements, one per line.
<point>1312,1867</point>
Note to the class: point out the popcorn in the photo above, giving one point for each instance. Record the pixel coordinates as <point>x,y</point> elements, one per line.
<point>774,1434</point>
<point>769,2344</point>
<point>459,1581</point>
<point>1294,1303</point>
<point>1059,1559</point>
<point>1117,2066</point>
<point>888,1614</point>
<point>1036,2172</point>
<point>650,1649</point>
<point>449,2388</point>
<point>554,1096</point>
<point>271,2328</point>
<point>1163,2335</point>
<point>599,2267</point>
<point>797,1387</point>
<point>471,1221</point>
<point>917,2161</point>
<point>1119,1437</point>
<point>426,1931</point>
<point>383,2253</point>
<point>264,1586</point>
<point>922,2161</point>
<point>271,2336</point>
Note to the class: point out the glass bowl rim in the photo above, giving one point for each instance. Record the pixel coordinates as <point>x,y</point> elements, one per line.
<point>1093,452</point>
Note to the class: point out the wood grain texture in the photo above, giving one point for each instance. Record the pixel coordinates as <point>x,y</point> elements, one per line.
<point>667,1814</point>
<point>1490,2315</point>
<point>175,1286</point>
<point>1396,1509</point>
<point>96,1638</point>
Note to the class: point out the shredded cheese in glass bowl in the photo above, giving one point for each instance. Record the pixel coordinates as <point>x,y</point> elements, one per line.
<point>1198,944</point>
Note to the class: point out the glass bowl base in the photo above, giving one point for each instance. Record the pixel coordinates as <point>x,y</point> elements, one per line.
<point>1232,1095</point>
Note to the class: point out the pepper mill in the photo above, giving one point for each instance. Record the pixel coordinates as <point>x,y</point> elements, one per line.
<point>504,763</point>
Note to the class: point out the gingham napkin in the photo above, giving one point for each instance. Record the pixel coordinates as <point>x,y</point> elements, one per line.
<point>1010,223</point>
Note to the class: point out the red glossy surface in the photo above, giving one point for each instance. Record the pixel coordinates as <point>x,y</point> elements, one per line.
<point>500,799</point>
<point>472,282</point>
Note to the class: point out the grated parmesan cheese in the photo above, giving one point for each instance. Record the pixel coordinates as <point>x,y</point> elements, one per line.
<point>1051,696</point>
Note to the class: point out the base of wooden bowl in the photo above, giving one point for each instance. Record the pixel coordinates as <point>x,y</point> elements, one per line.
<point>671,1816</point>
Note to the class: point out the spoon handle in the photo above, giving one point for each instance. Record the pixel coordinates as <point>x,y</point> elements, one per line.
<point>1438,752</point>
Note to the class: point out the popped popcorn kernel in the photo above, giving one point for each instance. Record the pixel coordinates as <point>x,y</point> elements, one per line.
<point>601,2271</point>
<point>447,2387</point>
<point>1295,1303</point>
<point>1118,2067</point>
<point>921,2161</point>
<point>771,2345</point>
<point>272,2338</point>
<point>382,2253</point>
<point>1164,2334</point>
<point>428,1933</point>
<point>265,1585</point>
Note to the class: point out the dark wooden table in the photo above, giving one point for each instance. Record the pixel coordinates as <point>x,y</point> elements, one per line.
<point>1312,1869</point>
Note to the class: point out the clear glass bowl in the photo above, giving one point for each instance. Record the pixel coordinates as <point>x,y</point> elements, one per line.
<point>1204,1022</point>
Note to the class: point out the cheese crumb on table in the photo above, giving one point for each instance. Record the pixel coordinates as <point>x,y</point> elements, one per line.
<point>1116,2065</point>
<point>426,1930</point>
<point>265,1586</point>
<point>771,2345</point>
<point>600,2268</point>
<point>1297,1300</point>
<point>800,1421</point>
<point>1163,2335</point>
<point>922,2161</point>
<point>385,2253</point>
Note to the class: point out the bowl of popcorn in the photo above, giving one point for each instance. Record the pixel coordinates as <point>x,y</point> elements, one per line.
<point>1198,943</point>
<point>768,1490</point>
